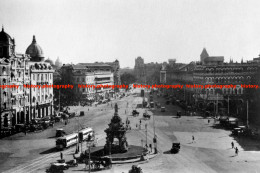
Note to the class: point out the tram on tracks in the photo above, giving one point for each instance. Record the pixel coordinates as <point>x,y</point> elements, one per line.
<point>74,138</point>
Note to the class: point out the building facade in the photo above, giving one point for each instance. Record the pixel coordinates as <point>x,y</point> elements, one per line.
<point>90,74</point>
<point>213,70</point>
<point>20,103</point>
<point>103,75</point>
<point>148,73</point>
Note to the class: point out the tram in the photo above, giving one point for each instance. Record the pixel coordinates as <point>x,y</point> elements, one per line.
<point>66,141</point>
<point>84,133</point>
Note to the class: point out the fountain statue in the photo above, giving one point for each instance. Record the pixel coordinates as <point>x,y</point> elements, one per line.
<point>116,129</point>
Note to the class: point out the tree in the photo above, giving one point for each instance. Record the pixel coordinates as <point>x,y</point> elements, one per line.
<point>127,78</point>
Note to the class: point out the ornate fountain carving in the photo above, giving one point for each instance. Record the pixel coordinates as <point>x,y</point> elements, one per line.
<point>116,129</point>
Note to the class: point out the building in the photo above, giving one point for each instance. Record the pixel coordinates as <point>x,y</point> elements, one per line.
<point>103,75</point>
<point>213,70</point>
<point>41,73</point>
<point>79,75</point>
<point>89,74</point>
<point>148,73</point>
<point>20,103</point>
<point>173,73</point>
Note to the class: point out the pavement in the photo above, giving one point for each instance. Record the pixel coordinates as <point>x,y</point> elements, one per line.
<point>210,152</point>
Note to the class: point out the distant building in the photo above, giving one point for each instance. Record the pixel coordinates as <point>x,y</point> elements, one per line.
<point>58,63</point>
<point>116,72</point>
<point>90,74</point>
<point>146,73</point>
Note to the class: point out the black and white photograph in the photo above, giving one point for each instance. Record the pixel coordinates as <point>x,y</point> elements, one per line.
<point>129,86</point>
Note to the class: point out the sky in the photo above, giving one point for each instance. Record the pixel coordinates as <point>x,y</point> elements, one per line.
<point>157,30</point>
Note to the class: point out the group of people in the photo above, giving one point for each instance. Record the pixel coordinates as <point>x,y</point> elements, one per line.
<point>233,146</point>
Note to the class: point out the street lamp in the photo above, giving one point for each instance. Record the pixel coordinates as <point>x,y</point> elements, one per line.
<point>89,142</point>
<point>146,136</point>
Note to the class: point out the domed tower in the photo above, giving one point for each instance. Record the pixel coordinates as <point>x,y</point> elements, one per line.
<point>35,51</point>
<point>7,45</point>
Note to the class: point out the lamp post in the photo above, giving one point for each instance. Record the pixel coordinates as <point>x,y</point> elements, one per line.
<point>154,138</point>
<point>89,142</point>
<point>146,135</point>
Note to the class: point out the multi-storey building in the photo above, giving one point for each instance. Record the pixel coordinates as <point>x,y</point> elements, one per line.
<point>103,75</point>
<point>115,69</point>
<point>90,74</point>
<point>148,73</point>
<point>79,75</point>
<point>174,73</point>
<point>213,70</point>
<point>21,104</point>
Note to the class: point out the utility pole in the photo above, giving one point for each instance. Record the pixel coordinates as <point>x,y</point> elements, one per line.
<point>247,123</point>
<point>59,100</point>
<point>217,105</point>
<point>228,105</point>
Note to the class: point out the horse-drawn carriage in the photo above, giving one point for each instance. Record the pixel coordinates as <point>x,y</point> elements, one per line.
<point>146,115</point>
<point>135,169</point>
<point>175,147</point>
<point>96,162</point>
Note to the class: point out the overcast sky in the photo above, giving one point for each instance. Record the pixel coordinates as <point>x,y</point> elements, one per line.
<point>157,30</point>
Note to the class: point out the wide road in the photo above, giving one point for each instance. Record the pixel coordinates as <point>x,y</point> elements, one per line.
<point>210,152</point>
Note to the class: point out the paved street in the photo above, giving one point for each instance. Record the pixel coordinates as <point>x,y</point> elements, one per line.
<point>210,152</point>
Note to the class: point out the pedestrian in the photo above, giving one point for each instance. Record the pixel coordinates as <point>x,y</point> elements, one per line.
<point>136,125</point>
<point>61,155</point>
<point>24,131</point>
<point>236,151</point>
<point>208,121</point>
<point>232,144</point>
<point>65,123</point>
<point>151,147</point>
<point>140,121</point>
<point>193,139</point>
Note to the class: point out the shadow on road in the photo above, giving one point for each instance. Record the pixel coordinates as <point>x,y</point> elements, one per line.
<point>52,137</point>
<point>52,150</point>
<point>167,152</point>
<point>92,170</point>
<point>176,117</point>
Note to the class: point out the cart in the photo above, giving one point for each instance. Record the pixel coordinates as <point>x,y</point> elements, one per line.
<point>175,147</point>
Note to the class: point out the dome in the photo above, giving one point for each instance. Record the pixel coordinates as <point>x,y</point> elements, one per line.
<point>4,37</point>
<point>35,51</point>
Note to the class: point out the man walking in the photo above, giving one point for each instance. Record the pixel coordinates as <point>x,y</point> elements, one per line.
<point>61,155</point>
<point>236,151</point>
<point>232,144</point>
<point>193,139</point>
